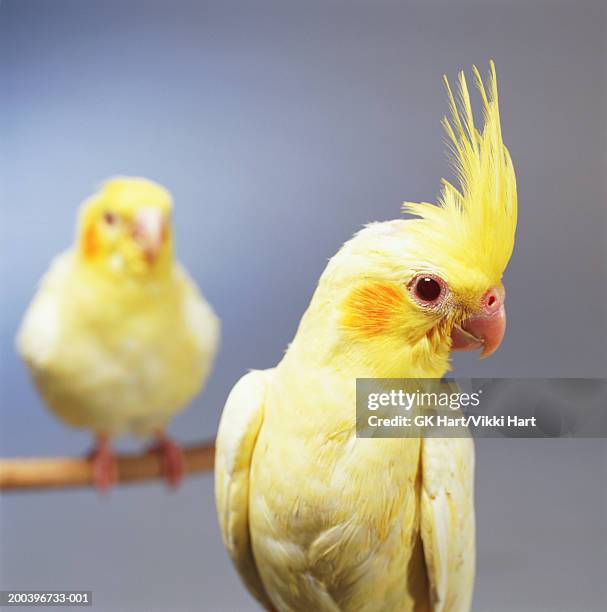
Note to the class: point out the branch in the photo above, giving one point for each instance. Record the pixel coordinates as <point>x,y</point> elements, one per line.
<point>28,473</point>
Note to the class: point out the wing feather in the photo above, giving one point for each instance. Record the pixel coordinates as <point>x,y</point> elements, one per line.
<point>447,521</point>
<point>238,430</point>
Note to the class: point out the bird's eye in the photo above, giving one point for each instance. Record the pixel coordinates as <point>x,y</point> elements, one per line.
<point>427,289</point>
<point>110,218</point>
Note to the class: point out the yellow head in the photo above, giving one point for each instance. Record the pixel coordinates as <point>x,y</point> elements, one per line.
<point>474,226</point>
<point>125,229</point>
<point>410,291</point>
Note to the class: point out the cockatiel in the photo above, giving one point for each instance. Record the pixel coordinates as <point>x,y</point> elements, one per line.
<point>315,518</point>
<point>118,338</point>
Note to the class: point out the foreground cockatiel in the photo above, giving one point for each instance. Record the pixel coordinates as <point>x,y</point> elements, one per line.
<point>315,518</point>
<point>118,338</point>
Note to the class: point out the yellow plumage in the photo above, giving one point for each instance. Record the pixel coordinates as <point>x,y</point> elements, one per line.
<point>480,217</point>
<point>315,518</point>
<point>118,338</point>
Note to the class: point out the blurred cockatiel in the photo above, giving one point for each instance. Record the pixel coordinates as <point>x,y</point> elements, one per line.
<point>315,518</point>
<point>118,338</point>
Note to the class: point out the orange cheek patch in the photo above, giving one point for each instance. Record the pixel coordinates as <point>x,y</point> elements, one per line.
<point>90,242</point>
<point>370,308</point>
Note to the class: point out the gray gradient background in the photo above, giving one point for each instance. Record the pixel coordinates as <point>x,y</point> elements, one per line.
<point>281,128</point>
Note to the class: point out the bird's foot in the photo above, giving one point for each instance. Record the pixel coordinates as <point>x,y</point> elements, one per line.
<point>173,460</point>
<point>103,461</point>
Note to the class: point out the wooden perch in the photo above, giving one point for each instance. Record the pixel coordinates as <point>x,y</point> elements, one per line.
<point>28,473</point>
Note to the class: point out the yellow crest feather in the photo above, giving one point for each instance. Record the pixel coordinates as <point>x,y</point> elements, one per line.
<point>477,222</point>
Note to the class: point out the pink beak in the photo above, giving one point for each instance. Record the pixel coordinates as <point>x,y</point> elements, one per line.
<point>484,330</point>
<point>148,231</point>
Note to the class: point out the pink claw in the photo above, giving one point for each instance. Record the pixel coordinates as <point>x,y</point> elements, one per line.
<point>173,460</point>
<point>103,461</point>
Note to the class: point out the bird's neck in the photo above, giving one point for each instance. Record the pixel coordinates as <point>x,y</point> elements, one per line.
<point>315,383</point>
<point>321,344</point>
<point>126,279</point>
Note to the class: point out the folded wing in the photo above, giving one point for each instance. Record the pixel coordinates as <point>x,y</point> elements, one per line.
<point>447,521</point>
<point>240,424</point>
